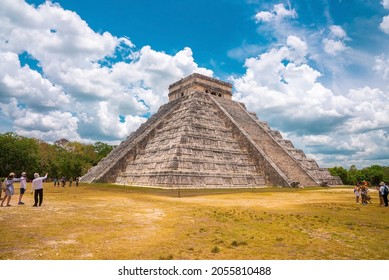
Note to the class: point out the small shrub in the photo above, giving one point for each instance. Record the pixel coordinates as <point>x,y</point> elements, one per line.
<point>169,257</point>
<point>215,250</point>
<point>238,243</point>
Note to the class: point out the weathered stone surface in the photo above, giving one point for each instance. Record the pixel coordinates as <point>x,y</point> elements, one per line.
<point>203,139</point>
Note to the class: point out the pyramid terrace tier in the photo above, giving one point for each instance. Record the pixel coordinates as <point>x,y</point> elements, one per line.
<point>205,140</point>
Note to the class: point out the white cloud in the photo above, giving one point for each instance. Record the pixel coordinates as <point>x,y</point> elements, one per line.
<point>335,128</point>
<point>80,83</point>
<point>52,125</point>
<point>333,47</point>
<point>278,13</point>
<point>298,48</point>
<point>264,16</point>
<point>338,32</point>
<point>385,3</point>
<point>28,85</point>
<point>335,43</point>
<point>370,109</point>
<point>384,26</point>
<point>382,66</point>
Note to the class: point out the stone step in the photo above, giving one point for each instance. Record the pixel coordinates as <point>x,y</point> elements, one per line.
<point>269,142</point>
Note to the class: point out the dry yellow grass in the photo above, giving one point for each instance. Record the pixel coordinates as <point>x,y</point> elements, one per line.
<point>116,222</point>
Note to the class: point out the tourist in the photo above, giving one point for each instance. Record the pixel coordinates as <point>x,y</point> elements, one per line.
<point>381,199</point>
<point>23,185</point>
<point>37,186</point>
<point>70,181</point>
<point>9,188</point>
<point>364,190</point>
<point>384,192</point>
<point>357,192</point>
<point>63,182</point>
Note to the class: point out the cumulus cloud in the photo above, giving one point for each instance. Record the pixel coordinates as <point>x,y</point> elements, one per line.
<point>278,13</point>
<point>335,43</point>
<point>381,66</point>
<point>333,47</point>
<point>80,92</point>
<point>285,91</point>
<point>288,92</point>
<point>52,125</point>
<point>384,26</point>
<point>337,32</point>
<point>385,3</point>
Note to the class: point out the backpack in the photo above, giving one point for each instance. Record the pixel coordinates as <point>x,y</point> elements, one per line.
<point>386,190</point>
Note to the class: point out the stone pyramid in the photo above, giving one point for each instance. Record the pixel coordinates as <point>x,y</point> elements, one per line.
<point>203,139</point>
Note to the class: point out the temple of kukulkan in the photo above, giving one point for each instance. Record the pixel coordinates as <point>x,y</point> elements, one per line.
<point>203,139</point>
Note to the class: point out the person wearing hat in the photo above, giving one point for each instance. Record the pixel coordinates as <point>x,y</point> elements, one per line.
<point>9,188</point>
<point>384,192</point>
<point>23,186</point>
<point>37,187</point>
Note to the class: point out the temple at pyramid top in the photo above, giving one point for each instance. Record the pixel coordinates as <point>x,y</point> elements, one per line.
<point>198,82</point>
<point>203,139</point>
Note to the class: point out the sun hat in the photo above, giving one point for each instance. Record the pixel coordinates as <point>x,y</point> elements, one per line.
<point>23,173</point>
<point>382,184</point>
<point>36,175</point>
<point>11,174</point>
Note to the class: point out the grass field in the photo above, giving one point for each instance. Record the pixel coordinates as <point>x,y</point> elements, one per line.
<point>117,222</point>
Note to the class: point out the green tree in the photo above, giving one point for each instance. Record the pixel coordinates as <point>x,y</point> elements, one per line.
<point>18,154</point>
<point>373,174</point>
<point>352,175</point>
<point>102,149</point>
<point>339,171</point>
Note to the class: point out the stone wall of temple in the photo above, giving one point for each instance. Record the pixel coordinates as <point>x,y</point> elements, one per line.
<point>203,139</point>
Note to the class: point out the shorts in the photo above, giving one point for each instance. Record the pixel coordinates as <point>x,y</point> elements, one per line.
<point>9,192</point>
<point>22,190</point>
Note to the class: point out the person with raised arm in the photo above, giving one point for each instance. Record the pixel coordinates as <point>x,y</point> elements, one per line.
<point>37,187</point>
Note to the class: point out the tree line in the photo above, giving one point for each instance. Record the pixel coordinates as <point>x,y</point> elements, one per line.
<point>73,159</point>
<point>61,159</point>
<point>373,174</point>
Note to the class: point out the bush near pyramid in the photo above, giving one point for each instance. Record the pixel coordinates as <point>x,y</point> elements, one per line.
<point>203,139</point>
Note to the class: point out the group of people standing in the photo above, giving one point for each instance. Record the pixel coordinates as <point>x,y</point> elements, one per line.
<point>9,189</point>
<point>62,181</point>
<point>362,191</point>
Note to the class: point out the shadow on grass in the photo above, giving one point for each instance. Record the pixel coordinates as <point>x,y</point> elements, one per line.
<point>185,192</point>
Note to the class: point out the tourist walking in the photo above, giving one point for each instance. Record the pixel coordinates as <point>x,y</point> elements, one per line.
<point>37,187</point>
<point>384,192</point>
<point>23,186</point>
<point>9,189</point>
<point>357,192</point>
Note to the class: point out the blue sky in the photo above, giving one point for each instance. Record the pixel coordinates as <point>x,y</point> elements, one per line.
<point>91,71</point>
